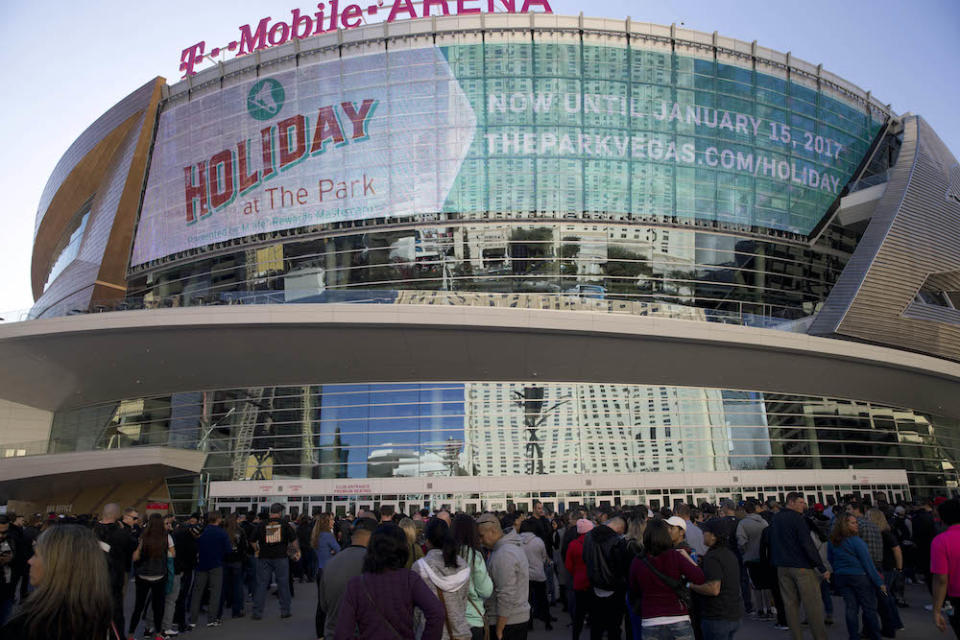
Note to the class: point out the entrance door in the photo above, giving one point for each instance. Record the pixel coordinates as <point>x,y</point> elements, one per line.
<point>471,506</point>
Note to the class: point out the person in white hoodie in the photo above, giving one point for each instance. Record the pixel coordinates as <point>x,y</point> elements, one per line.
<point>467,537</point>
<point>447,575</point>
<point>536,553</point>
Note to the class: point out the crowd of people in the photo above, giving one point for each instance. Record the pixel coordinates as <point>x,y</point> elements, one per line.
<point>632,573</point>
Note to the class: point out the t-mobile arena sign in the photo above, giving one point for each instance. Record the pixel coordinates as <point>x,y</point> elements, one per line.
<point>331,16</point>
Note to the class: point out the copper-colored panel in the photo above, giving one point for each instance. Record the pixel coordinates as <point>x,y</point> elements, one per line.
<point>80,184</point>
<point>111,281</point>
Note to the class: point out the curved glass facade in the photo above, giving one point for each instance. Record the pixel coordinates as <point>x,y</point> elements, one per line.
<point>552,126</point>
<point>575,265</point>
<point>489,429</point>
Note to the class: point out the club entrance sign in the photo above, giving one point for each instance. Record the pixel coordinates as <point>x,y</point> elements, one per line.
<point>332,15</point>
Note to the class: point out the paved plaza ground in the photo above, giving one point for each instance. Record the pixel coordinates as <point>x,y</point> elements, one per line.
<point>300,627</point>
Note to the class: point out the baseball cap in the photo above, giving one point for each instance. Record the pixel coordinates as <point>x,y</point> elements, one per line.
<point>584,526</point>
<point>714,526</point>
<point>488,518</point>
<point>939,500</point>
<point>677,522</point>
<point>900,511</point>
<point>727,503</point>
<point>818,507</point>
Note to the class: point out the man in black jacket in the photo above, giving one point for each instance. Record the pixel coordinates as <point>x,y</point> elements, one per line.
<point>606,556</point>
<point>119,545</point>
<point>185,544</point>
<point>798,564</point>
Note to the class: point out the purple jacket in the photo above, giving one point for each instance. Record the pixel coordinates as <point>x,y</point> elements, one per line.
<point>373,602</point>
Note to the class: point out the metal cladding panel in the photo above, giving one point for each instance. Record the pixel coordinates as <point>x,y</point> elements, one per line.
<point>914,234</point>
<point>89,139</point>
<point>73,287</point>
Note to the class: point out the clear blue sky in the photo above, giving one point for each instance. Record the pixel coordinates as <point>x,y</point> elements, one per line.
<point>65,63</point>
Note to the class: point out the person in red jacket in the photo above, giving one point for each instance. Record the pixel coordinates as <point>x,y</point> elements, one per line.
<point>581,584</point>
<point>665,616</point>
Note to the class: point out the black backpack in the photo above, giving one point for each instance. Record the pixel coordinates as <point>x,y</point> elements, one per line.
<point>599,571</point>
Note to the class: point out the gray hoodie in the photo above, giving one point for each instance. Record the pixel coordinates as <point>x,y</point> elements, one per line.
<point>749,532</point>
<point>511,581</point>
<point>536,555</point>
<point>454,587</point>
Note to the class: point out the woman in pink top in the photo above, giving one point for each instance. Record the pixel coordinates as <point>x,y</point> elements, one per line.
<point>665,616</point>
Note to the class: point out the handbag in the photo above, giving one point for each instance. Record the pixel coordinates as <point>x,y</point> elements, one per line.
<point>679,588</point>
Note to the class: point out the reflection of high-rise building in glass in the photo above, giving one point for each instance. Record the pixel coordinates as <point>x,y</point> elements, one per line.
<point>594,428</point>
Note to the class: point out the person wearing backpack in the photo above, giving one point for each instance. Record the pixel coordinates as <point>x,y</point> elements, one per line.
<point>536,553</point>
<point>607,559</point>
<point>657,582</point>
<point>150,560</point>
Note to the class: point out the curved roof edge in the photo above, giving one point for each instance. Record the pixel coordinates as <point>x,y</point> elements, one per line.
<point>82,360</point>
<point>501,22</point>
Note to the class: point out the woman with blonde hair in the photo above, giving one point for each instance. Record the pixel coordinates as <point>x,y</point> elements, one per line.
<point>410,529</point>
<point>71,597</point>
<point>325,545</point>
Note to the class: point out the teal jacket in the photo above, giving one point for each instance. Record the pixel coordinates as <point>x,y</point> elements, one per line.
<point>481,587</point>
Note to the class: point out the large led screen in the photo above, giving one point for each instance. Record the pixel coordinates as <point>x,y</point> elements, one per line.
<point>518,128</point>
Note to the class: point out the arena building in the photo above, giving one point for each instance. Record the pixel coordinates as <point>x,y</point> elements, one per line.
<point>478,260</point>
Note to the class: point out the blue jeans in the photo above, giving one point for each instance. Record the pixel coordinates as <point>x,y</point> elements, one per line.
<point>279,570</point>
<point>889,612</point>
<point>675,631</point>
<point>859,593</point>
<point>250,576</point>
<point>718,628</point>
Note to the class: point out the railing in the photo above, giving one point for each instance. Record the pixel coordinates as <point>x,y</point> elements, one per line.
<point>594,298</point>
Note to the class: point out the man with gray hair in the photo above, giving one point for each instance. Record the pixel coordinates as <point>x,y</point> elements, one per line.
<point>508,609</point>
<point>608,561</point>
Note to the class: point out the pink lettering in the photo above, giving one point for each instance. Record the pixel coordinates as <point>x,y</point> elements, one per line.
<point>462,7</point>
<point>255,41</point>
<point>427,4</point>
<point>299,21</point>
<point>279,33</point>
<point>351,17</point>
<point>191,57</point>
<point>544,4</point>
<point>403,5</point>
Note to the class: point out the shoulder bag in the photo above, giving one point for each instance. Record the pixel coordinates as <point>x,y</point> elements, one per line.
<point>679,588</point>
